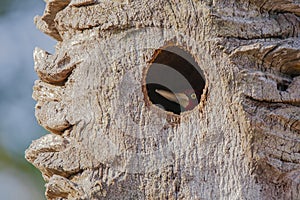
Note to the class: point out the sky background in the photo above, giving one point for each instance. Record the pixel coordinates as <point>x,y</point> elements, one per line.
<point>18,126</point>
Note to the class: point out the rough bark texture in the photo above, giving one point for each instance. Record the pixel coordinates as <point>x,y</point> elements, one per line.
<point>108,141</point>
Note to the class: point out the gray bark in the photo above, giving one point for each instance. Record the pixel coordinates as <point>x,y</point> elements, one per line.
<point>108,141</point>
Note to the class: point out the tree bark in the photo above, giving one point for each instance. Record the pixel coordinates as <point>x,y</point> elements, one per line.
<point>107,139</point>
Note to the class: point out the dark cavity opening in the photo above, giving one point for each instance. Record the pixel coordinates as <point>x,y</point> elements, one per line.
<point>283,86</point>
<point>174,81</point>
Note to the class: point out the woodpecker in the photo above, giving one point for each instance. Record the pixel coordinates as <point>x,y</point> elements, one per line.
<point>187,99</point>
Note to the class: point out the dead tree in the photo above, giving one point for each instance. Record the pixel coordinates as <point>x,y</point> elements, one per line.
<point>110,96</point>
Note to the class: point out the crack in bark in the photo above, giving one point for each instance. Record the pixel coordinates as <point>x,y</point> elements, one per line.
<point>297,104</point>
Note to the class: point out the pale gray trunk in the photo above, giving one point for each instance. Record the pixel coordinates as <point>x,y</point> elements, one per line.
<point>109,141</point>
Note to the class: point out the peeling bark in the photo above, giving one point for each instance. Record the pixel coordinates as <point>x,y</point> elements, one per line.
<point>108,141</point>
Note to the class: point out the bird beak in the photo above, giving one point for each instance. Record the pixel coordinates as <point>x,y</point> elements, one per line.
<point>180,98</point>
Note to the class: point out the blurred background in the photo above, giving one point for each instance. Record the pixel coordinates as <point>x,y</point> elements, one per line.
<point>18,126</point>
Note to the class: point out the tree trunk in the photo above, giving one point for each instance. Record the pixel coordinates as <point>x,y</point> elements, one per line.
<point>111,140</point>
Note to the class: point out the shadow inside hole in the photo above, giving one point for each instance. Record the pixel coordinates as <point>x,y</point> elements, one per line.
<point>282,86</point>
<point>175,71</point>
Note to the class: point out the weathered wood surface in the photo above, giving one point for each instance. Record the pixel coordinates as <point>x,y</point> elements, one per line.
<point>241,142</point>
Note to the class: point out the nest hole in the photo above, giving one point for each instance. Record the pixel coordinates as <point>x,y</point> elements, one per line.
<point>282,86</point>
<point>174,81</point>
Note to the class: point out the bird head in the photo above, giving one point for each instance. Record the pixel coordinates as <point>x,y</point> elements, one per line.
<point>187,99</point>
